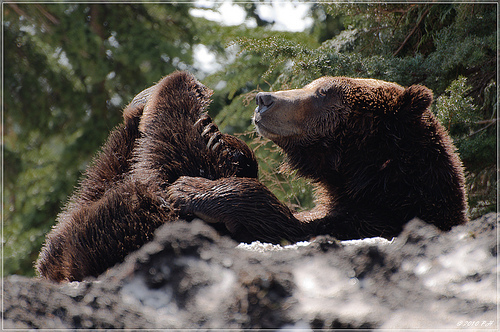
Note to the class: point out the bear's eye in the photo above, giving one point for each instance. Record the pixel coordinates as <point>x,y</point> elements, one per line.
<point>321,92</point>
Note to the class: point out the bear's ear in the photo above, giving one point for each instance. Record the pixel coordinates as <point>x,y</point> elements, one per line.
<point>414,101</point>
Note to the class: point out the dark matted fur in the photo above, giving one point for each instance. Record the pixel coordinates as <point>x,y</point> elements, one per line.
<point>377,154</point>
<point>122,198</point>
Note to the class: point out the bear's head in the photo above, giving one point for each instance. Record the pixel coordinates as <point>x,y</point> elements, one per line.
<point>330,113</point>
<point>332,105</point>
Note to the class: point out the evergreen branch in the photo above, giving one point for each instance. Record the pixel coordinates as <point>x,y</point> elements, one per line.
<point>18,10</point>
<point>489,124</point>
<point>413,30</point>
<point>48,15</point>
<point>491,121</point>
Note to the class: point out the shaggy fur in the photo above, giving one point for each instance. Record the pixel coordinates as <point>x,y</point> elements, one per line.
<point>122,198</point>
<point>374,149</point>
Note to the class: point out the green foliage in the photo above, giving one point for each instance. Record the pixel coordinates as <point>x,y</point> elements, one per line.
<point>455,109</point>
<point>475,139</point>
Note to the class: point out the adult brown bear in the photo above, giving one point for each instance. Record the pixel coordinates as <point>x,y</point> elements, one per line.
<point>122,198</point>
<point>376,152</point>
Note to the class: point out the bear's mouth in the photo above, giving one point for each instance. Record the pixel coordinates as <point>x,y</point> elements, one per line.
<point>261,128</point>
<point>273,117</point>
<point>270,130</point>
<point>262,108</point>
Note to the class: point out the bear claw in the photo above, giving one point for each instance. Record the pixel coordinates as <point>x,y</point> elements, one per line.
<point>215,141</point>
<point>203,121</point>
<point>210,132</point>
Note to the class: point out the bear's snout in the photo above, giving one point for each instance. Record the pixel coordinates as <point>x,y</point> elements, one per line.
<point>264,101</point>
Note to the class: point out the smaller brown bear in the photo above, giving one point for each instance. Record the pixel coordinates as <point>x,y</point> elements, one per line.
<point>122,199</point>
<point>374,149</point>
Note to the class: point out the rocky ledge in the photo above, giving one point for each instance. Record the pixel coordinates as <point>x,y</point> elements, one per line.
<point>190,277</point>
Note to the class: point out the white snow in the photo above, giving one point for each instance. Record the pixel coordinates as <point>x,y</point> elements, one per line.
<point>267,247</point>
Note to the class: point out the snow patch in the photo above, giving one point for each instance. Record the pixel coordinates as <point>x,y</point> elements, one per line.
<point>368,242</point>
<point>268,247</point>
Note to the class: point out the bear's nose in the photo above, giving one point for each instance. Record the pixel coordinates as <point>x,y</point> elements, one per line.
<point>264,100</point>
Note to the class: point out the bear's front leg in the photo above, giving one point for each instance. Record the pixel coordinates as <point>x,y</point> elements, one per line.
<point>248,209</point>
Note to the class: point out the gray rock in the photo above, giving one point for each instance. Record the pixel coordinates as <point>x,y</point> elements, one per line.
<point>190,277</point>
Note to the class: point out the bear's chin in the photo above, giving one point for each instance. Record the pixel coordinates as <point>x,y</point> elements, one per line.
<point>264,132</point>
<point>276,135</point>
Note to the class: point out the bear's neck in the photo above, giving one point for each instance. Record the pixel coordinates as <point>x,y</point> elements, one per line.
<point>318,162</point>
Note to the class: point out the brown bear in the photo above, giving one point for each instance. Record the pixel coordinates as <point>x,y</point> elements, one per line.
<point>122,199</point>
<point>377,154</point>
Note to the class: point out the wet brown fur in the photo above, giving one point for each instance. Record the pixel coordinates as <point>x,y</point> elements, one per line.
<point>122,198</point>
<point>375,151</point>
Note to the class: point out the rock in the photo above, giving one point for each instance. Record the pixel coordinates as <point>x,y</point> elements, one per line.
<point>190,277</point>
